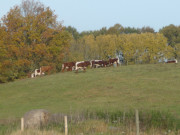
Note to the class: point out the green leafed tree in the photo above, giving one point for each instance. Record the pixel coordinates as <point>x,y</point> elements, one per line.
<point>172,33</point>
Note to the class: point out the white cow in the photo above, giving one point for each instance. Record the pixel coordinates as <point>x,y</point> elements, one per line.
<point>95,63</point>
<point>37,72</point>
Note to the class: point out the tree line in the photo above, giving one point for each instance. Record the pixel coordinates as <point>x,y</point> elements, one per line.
<point>31,36</point>
<point>144,44</point>
<point>133,48</point>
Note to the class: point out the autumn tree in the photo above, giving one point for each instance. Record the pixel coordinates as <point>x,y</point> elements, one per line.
<point>32,38</point>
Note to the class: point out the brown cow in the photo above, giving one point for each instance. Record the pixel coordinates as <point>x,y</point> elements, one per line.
<point>81,65</point>
<point>41,71</point>
<point>105,63</point>
<point>46,69</point>
<point>68,65</point>
<point>113,60</point>
<point>172,61</point>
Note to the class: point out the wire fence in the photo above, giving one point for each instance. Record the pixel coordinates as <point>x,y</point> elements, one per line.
<point>102,122</point>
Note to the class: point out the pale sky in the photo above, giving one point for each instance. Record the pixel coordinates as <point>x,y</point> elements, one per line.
<point>87,15</point>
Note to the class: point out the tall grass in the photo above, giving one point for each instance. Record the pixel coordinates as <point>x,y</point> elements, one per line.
<point>9,125</point>
<point>115,122</point>
<point>36,132</point>
<point>103,122</point>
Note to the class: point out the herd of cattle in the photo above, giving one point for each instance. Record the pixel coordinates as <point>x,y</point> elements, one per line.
<point>80,65</point>
<point>69,66</point>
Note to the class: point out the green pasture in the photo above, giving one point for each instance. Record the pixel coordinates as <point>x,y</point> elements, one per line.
<point>143,87</point>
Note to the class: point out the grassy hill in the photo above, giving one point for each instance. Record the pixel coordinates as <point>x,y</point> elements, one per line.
<point>145,87</point>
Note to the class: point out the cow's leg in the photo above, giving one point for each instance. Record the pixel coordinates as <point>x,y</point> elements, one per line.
<point>63,69</point>
<point>117,63</point>
<point>76,71</point>
<point>70,68</point>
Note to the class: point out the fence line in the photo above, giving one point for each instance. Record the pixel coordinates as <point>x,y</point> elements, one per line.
<point>134,116</point>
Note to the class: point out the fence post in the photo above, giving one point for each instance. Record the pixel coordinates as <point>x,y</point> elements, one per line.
<point>66,125</point>
<point>124,117</point>
<point>137,122</point>
<point>22,124</point>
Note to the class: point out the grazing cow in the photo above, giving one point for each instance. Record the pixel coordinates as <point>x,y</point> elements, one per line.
<point>81,65</point>
<point>96,63</point>
<point>99,63</point>
<point>114,60</point>
<point>68,65</point>
<point>172,61</point>
<point>46,69</point>
<point>36,72</point>
<point>41,71</point>
<point>105,63</point>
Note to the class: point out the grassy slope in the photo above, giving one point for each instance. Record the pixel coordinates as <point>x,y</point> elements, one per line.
<point>127,87</point>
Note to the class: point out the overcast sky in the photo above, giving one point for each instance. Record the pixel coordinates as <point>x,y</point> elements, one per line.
<point>94,14</point>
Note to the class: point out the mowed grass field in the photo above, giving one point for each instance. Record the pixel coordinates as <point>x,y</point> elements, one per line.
<point>143,87</point>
